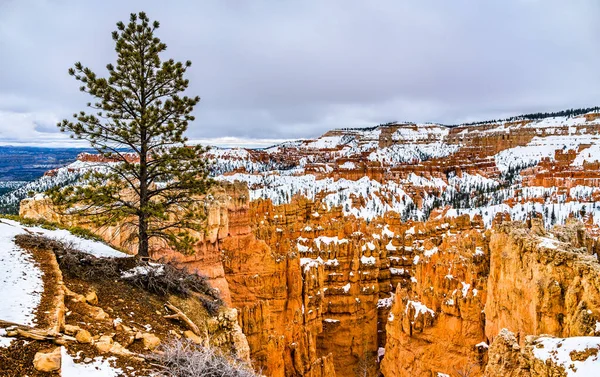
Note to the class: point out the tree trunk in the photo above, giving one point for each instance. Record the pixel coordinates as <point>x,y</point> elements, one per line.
<point>143,238</point>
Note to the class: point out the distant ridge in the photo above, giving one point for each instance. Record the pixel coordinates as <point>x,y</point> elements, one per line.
<point>532,116</point>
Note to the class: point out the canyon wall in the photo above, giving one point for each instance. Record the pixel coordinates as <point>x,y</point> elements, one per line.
<point>320,296</point>
<point>382,250</point>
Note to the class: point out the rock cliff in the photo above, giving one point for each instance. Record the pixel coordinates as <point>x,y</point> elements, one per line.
<point>391,249</point>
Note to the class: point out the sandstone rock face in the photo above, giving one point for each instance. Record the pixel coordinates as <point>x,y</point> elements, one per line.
<point>518,277</point>
<point>541,283</point>
<point>436,323</point>
<point>543,356</point>
<point>505,358</point>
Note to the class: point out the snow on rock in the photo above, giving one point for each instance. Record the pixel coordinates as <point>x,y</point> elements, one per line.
<point>21,284</point>
<point>346,288</point>
<point>419,308</point>
<point>386,302</point>
<point>591,154</point>
<point>430,252</point>
<point>542,147</point>
<point>468,181</point>
<point>402,153</point>
<point>281,188</point>
<point>559,350</point>
<point>348,165</point>
<point>548,243</point>
<point>367,261</point>
<point>309,263</point>
<point>465,288</point>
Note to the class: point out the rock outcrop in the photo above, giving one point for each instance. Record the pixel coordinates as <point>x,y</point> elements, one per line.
<point>543,356</point>
<point>542,282</point>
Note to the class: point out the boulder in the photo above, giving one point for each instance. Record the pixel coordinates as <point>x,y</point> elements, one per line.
<point>47,361</point>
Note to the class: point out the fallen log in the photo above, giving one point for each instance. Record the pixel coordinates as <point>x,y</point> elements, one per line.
<point>180,316</point>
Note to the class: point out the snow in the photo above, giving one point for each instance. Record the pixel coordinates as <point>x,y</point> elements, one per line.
<point>419,308</point>
<point>368,261</point>
<point>411,153</point>
<point>309,263</point>
<point>387,232</point>
<point>144,270</point>
<point>325,142</point>
<point>465,288</point>
<point>329,320</point>
<point>99,367</point>
<point>385,302</point>
<point>346,288</point>
<point>281,188</point>
<point>302,248</point>
<point>548,243</point>
<point>21,284</point>
<point>590,154</point>
<point>348,165</point>
<point>478,250</point>
<point>430,252</point>
<point>96,248</point>
<point>482,345</point>
<point>390,247</point>
<point>369,245</point>
<point>332,263</point>
<point>329,240</point>
<point>416,259</point>
<point>558,350</point>
<point>466,182</point>
<point>544,147</point>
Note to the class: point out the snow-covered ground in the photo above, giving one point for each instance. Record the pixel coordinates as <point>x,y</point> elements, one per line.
<point>99,367</point>
<point>558,350</point>
<point>93,247</point>
<point>21,284</point>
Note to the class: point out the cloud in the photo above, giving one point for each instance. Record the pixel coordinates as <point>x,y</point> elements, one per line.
<point>295,69</point>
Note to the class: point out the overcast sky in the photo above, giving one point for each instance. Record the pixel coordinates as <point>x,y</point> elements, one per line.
<point>273,70</point>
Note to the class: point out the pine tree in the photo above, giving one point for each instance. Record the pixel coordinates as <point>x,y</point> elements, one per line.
<point>140,118</point>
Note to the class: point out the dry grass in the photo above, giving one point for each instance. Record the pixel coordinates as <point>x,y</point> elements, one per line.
<point>182,358</point>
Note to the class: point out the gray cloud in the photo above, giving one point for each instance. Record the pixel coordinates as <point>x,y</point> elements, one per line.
<point>292,69</point>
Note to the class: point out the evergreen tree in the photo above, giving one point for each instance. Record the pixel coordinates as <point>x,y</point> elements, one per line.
<point>140,119</point>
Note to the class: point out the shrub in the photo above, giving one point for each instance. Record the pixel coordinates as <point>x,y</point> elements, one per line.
<point>166,279</point>
<point>157,278</point>
<point>182,358</point>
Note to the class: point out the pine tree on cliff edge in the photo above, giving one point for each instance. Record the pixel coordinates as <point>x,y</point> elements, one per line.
<point>140,108</point>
